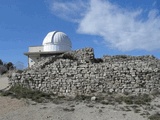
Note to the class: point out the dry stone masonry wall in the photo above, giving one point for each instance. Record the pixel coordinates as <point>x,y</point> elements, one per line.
<point>79,73</point>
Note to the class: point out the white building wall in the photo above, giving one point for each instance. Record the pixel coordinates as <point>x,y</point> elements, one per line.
<point>32,59</point>
<point>52,47</point>
<point>36,49</point>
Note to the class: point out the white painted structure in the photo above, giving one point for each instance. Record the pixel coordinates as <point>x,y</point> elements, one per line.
<point>54,43</point>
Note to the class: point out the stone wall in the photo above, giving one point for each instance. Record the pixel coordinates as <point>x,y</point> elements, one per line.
<point>79,73</point>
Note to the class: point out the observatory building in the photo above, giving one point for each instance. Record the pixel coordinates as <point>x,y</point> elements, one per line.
<point>54,43</point>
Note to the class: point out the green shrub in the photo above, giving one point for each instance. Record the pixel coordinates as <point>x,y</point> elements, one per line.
<point>155,116</point>
<point>137,99</point>
<point>128,99</point>
<point>83,97</point>
<point>18,91</point>
<point>142,99</point>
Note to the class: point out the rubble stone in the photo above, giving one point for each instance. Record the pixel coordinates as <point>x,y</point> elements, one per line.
<point>79,73</point>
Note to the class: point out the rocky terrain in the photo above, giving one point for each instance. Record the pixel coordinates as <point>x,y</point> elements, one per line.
<point>79,73</point>
<point>83,87</point>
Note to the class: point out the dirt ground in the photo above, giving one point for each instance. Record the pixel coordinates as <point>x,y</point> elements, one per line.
<point>14,109</point>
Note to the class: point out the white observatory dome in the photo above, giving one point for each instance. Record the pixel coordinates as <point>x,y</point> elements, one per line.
<point>56,41</point>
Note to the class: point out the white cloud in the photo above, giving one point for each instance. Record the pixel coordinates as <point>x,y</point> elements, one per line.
<point>120,28</point>
<point>69,10</point>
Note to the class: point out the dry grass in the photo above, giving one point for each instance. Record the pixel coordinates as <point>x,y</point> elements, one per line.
<point>155,116</point>
<point>22,92</point>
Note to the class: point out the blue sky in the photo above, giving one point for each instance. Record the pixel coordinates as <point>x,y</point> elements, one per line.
<point>111,27</point>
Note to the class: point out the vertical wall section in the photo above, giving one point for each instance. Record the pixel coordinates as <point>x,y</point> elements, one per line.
<point>79,73</point>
